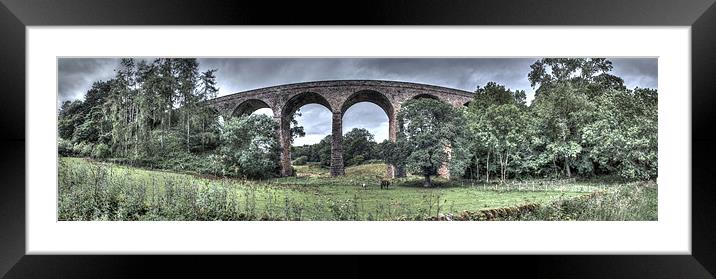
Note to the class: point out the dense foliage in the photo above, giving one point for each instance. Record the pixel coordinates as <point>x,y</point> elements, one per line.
<point>430,135</point>
<point>250,147</point>
<point>359,147</point>
<point>154,114</point>
<point>582,119</point>
<point>583,122</point>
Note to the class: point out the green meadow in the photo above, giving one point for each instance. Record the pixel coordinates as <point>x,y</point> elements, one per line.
<point>93,190</point>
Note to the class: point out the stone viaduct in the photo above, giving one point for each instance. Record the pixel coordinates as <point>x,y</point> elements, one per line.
<point>337,96</point>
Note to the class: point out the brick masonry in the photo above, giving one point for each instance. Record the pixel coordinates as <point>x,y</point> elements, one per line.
<point>337,96</point>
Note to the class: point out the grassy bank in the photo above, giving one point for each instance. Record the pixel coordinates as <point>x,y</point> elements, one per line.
<point>91,190</point>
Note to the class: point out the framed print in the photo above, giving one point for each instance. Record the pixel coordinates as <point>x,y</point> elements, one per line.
<point>196,129</point>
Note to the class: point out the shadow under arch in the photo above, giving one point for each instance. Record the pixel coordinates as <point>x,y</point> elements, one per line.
<point>249,106</point>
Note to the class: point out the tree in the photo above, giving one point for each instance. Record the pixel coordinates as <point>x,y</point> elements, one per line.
<point>390,153</point>
<point>70,117</point>
<point>496,94</point>
<point>563,110</point>
<point>565,102</point>
<point>122,108</point>
<point>324,150</point>
<point>589,73</point>
<point>358,146</point>
<point>206,116</point>
<point>159,101</point>
<point>187,94</point>
<point>430,132</point>
<point>85,120</point>
<point>490,132</point>
<point>623,136</point>
<point>504,128</point>
<point>310,151</point>
<point>250,146</point>
<point>547,71</point>
<point>295,130</point>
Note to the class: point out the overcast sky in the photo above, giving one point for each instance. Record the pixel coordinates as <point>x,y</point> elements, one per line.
<point>76,75</point>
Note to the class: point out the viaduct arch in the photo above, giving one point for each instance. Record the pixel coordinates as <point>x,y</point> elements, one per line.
<point>337,96</point>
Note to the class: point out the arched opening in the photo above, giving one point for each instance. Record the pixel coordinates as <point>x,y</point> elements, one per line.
<point>315,117</point>
<point>365,127</point>
<point>367,118</point>
<point>316,122</point>
<point>250,106</point>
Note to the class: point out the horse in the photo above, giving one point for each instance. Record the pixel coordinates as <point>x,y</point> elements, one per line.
<point>384,183</point>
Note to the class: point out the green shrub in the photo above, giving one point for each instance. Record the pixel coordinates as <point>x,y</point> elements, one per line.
<point>250,147</point>
<point>82,149</point>
<point>100,151</point>
<point>626,202</point>
<point>65,148</point>
<point>356,160</point>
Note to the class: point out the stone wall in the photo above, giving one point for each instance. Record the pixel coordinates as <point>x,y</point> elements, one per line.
<point>337,96</point>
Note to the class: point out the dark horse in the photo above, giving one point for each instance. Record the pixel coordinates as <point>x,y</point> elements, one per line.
<point>384,183</point>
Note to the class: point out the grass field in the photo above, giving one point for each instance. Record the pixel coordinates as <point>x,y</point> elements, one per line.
<point>90,190</point>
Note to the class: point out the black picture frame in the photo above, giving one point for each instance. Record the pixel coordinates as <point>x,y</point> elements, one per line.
<point>15,15</point>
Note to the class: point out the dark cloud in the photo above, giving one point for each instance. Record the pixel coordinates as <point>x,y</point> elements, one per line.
<point>239,74</point>
<point>76,75</point>
<point>637,72</point>
<point>316,121</point>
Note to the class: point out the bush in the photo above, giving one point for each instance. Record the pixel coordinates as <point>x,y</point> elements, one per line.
<point>100,151</point>
<point>214,165</point>
<point>626,202</point>
<point>82,149</point>
<point>300,161</point>
<point>65,148</point>
<point>356,160</point>
<point>90,192</point>
<point>250,147</point>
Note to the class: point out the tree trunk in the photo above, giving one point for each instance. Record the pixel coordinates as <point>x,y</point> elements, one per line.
<point>487,168</point>
<point>136,130</point>
<point>502,167</point>
<point>203,131</point>
<point>187,133</point>
<point>554,163</point>
<point>566,167</point>
<point>507,162</point>
<point>477,167</point>
<point>427,182</point>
